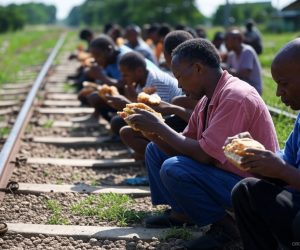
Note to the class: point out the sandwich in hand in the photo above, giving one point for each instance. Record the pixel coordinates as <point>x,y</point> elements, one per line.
<point>152,99</point>
<point>236,150</point>
<point>129,110</point>
<point>105,90</point>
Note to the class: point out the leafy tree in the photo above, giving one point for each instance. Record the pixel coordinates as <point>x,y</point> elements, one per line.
<point>259,12</point>
<point>93,12</point>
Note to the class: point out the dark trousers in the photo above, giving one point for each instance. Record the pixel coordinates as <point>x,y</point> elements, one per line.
<point>267,215</point>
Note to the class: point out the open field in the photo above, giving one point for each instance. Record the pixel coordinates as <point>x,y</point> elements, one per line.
<point>21,51</point>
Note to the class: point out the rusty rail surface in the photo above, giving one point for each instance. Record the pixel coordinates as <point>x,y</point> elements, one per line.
<point>12,144</point>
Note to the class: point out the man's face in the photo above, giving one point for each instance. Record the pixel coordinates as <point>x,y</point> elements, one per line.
<point>128,76</point>
<point>100,56</point>
<point>188,79</point>
<point>286,75</point>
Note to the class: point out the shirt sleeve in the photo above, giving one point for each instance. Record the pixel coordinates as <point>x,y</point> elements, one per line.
<point>247,60</point>
<point>291,151</point>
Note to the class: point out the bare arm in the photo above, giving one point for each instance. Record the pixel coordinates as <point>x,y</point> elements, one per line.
<point>169,109</point>
<point>148,122</point>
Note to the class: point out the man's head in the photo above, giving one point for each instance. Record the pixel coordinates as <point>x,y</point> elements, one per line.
<point>249,24</point>
<point>285,72</point>
<point>133,67</point>
<point>194,63</point>
<point>132,33</point>
<point>86,35</point>
<point>233,39</point>
<point>172,40</point>
<point>103,50</point>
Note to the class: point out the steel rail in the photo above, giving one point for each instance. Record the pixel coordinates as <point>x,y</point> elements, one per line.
<point>11,146</point>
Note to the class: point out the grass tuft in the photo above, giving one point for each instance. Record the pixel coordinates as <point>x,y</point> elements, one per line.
<point>110,207</point>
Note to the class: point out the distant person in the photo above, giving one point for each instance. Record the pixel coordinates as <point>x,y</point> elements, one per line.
<point>242,60</point>
<point>86,35</point>
<point>219,42</point>
<point>135,42</point>
<point>201,31</point>
<point>253,37</point>
<point>267,210</point>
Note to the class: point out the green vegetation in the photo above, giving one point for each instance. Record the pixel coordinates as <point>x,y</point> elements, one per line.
<point>178,233</point>
<point>110,207</point>
<point>24,49</point>
<point>259,11</point>
<point>56,218</point>
<point>283,127</point>
<point>48,124</point>
<point>4,131</point>
<point>14,17</point>
<point>93,12</point>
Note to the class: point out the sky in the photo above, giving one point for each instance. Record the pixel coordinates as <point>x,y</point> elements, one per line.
<point>207,7</point>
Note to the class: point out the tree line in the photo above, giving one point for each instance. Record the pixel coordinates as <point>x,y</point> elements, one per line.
<point>94,12</point>
<point>14,17</point>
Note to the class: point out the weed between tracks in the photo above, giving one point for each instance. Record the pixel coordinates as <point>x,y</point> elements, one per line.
<point>107,207</point>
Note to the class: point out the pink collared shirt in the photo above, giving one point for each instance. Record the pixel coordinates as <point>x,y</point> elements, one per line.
<point>235,107</point>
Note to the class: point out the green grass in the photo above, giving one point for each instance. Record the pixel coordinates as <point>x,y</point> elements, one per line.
<point>177,233</point>
<point>109,207</point>
<point>56,218</point>
<point>24,49</point>
<point>283,127</point>
<point>48,124</point>
<point>4,131</point>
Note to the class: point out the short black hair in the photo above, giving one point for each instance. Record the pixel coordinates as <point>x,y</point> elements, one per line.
<point>85,34</point>
<point>198,49</point>
<point>174,38</point>
<point>164,29</point>
<point>133,60</point>
<point>103,42</point>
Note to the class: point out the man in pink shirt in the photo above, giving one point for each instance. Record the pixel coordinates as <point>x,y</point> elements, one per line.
<point>189,171</point>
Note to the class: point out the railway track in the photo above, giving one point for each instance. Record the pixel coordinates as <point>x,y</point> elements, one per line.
<point>54,169</point>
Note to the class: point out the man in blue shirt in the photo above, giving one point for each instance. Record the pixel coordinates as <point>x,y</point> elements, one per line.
<point>267,209</point>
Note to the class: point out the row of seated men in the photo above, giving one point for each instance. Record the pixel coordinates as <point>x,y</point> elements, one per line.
<point>192,111</point>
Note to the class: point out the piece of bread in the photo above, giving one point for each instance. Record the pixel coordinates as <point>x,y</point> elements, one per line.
<point>153,99</point>
<point>235,150</point>
<point>105,90</point>
<point>128,110</point>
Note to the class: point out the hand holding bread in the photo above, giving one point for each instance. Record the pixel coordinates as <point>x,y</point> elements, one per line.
<point>239,148</point>
<point>142,119</point>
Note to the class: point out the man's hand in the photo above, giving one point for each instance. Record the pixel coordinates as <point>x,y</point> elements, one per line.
<point>163,107</point>
<point>145,121</point>
<point>129,91</point>
<point>264,163</point>
<point>117,102</point>
<point>238,136</point>
<point>95,72</point>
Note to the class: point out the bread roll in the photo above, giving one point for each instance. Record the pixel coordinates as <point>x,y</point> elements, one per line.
<point>128,110</point>
<point>235,150</point>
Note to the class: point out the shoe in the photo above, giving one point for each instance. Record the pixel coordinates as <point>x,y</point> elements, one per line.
<point>167,219</point>
<point>216,238</point>
<point>137,181</point>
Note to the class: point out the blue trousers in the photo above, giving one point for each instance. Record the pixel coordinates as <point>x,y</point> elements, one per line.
<point>203,192</point>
